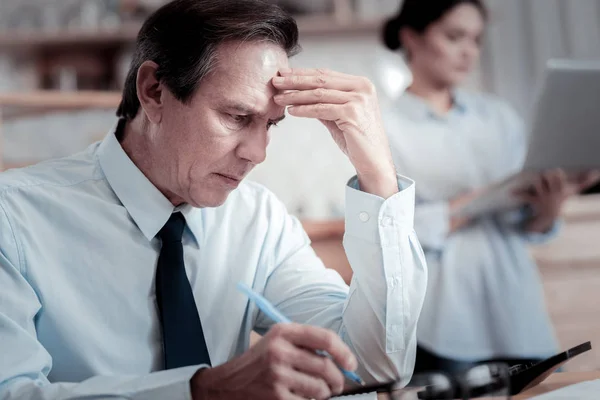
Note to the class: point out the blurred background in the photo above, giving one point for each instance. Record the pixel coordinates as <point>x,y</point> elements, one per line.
<point>62,64</point>
<point>64,46</point>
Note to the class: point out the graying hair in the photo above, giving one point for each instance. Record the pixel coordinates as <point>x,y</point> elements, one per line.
<point>183,36</point>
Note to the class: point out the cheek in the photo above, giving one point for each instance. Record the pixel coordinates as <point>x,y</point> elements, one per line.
<point>191,140</point>
<point>445,52</point>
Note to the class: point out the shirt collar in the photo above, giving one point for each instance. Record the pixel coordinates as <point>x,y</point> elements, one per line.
<point>419,108</point>
<point>147,206</point>
<point>460,101</point>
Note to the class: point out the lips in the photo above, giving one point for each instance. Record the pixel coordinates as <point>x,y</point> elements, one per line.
<point>463,68</point>
<point>231,181</point>
<point>236,178</point>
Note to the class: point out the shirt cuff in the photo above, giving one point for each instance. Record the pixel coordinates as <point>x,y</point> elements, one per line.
<point>376,220</point>
<point>525,213</point>
<point>172,384</point>
<point>543,237</point>
<point>432,224</point>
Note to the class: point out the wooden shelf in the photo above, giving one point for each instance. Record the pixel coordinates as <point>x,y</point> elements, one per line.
<point>28,41</point>
<point>82,38</point>
<point>327,25</point>
<point>61,100</point>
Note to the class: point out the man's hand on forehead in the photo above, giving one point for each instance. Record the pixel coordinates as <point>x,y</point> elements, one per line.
<point>347,105</point>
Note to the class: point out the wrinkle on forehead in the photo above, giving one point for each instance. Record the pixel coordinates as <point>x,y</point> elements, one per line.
<point>260,59</point>
<point>245,71</point>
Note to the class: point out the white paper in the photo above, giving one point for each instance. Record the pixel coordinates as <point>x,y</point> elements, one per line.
<point>367,396</point>
<point>581,391</point>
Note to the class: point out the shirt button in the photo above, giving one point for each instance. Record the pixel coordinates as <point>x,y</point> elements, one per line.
<point>387,221</point>
<point>363,216</point>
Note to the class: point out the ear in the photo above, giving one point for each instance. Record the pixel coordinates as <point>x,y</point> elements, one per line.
<point>409,39</point>
<point>149,91</point>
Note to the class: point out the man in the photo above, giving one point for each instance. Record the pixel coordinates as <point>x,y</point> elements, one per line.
<point>119,265</point>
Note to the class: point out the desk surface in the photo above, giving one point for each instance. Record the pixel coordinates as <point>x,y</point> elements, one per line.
<point>558,381</point>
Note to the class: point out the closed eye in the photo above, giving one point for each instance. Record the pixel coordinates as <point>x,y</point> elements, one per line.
<point>275,122</point>
<point>240,120</point>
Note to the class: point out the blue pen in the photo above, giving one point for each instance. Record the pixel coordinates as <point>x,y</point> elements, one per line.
<point>269,309</point>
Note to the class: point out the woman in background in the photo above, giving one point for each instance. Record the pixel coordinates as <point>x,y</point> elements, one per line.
<point>484,300</point>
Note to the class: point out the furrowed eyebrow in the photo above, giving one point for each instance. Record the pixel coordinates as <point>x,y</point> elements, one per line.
<point>278,119</point>
<point>242,108</point>
<point>248,110</point>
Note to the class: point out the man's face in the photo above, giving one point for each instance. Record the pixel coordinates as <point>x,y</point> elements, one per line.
<point>209,145</point>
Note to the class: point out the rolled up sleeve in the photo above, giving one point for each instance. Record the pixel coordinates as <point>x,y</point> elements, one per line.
<point>389,282</point>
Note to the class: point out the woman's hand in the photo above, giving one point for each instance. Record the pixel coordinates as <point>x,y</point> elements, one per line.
<point>457,222</point>
<point>549,193</point>
<point>547,196</point>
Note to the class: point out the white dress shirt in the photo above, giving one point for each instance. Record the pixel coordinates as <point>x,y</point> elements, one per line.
<point>78,255</point>
<point>484,296</point>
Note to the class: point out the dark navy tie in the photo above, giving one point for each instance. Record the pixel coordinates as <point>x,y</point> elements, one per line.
<point>183,337</point>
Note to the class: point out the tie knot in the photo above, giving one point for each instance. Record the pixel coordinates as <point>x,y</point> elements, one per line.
<point>173,229</point>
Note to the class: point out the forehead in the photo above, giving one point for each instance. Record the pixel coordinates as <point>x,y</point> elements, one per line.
<point>244,71</point>
<point>466,16</point>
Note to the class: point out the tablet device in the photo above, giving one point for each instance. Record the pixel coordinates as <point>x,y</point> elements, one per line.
<point>521,376</point>
<point>565,133</point>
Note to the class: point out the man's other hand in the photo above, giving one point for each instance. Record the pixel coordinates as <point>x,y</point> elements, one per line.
<point>282,365</point>
<point>348,106</point>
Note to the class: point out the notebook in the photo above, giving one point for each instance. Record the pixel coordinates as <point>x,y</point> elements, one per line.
<point>581,391</point>
<point>365,396</point>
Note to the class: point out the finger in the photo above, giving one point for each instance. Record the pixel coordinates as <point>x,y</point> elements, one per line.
<point>291,381</point>
<point>283,392</point>
<point>546,185</point>
<point>308,387</point>
<point>319,367</point>
<point>314,72</point>
<point>538,187</point>
<point>527,198</point>
<point>589,179</point>
<point>553,181</point>
<point>316,338</point>
<point>561,180</point>
<point>327,112</point>
<point>286,379</point>
<point>300,82</point>
<point>305,97</point>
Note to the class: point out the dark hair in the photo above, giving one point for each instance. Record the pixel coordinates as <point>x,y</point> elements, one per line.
<point>419,14</point>
<point>182,38</point>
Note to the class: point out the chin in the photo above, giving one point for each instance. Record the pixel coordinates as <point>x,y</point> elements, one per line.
<point>209,200</point>
<point>458,78</point>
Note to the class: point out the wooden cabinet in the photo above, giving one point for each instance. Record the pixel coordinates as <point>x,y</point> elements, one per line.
<point>569,267</point>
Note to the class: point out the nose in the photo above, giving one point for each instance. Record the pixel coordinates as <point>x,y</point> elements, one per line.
<point>253,147</point>
<point>471,51</point>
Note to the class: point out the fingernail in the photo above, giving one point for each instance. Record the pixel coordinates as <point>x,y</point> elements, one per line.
<point>278,80</point>
<point>351,363</point>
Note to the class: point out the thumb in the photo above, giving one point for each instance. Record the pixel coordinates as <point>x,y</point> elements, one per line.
<point>589,179</point>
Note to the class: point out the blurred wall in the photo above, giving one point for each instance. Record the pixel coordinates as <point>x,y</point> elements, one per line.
<point>524,34</point>
<point>304,167</point>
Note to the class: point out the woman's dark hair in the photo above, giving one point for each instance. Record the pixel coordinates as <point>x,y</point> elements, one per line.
<point>419,14</point>
<point>182,38</point>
